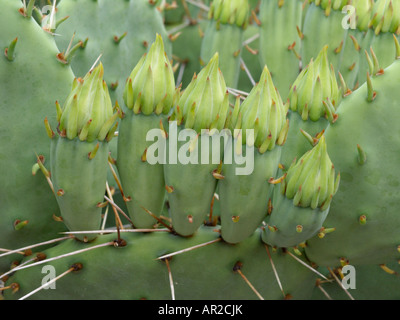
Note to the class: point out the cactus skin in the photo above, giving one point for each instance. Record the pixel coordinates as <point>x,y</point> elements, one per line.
<point>224,34</point>
<point>132,272</point>
<point>174,12</point>
<point>250,58</point>
<point>278,32</point>
<point>149,95</point>
<point>301,204</point>
<point>132,169</point>
<point>30,86</point>
<point>244,205</point>
<point>186,49</point>
<point>244,198</point>
<point>368,188</point>
<point>79,210</point>
<point>203,105</point>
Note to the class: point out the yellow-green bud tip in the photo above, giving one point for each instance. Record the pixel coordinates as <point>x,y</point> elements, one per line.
<point>151,85</point>
<point>87,107</point>
<point>311,181</point>
<point>204,102</point>
<point>263,111</point>
<point>234,12</point>
<point>315,84</point>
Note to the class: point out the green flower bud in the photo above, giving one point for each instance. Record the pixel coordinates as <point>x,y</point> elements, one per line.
<point>363,13</point>
<point>205,101</point>
<point>315,84</point>
<point>88,111</point>
<point>263,111</point>
<point>386,16</point>
<point>151,85</point>
<point>311,181</point>
<point>331,4</point>
<point>230,12</point>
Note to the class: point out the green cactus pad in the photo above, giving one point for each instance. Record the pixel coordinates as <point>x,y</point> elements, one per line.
<point>32,81</point>
<point>133,272</point>
<point>366,282</point>
<point>378,41</point>
<point>142,182</point>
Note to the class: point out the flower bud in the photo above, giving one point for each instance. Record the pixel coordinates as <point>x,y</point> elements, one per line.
<point>151,85</point>
<point>311,181</point>
<point>263,111</point>
<point>230,12</point>
<point>315,84</point>
<point>386,16</point>
<point>88,108</point>
<point>204,103</point>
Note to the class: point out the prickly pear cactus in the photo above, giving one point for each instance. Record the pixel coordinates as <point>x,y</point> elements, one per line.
<point>149,95</point>
<point>171,101</point>
<point>79,152</point>
<point>244,189</point>
<point>199,114</point>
